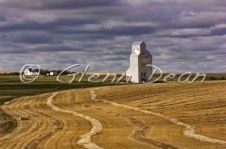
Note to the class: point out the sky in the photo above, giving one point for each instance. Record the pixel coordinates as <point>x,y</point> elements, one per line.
<point>182,35</point>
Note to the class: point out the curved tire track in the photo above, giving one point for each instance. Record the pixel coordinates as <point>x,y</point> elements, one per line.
<point>189,130</point>
<point>85,140</point>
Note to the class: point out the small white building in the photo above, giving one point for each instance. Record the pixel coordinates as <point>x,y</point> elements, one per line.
<point>29,72</point>
<point>138,71</point>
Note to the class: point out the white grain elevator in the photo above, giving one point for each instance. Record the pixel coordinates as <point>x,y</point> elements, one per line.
<point>140,57</point>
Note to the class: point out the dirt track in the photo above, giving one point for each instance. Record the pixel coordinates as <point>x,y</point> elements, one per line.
<point>140,116</point>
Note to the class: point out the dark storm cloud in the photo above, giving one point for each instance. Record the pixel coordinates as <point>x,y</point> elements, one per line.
<point>33,25</point>
<point>2,18</point>
<point>139,30</point>
<point>59,4</point>
<point>29,38</point>
<point>25,25</point>
<point>18,51</point>
<point>219,31</point>
<point>181,35</point>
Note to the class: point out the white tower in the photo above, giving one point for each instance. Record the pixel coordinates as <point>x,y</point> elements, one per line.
<point>139,58</point>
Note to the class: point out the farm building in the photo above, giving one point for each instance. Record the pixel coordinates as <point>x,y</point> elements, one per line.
<point>138,71</point>
<point>53,73</point>
<point>30,72</point>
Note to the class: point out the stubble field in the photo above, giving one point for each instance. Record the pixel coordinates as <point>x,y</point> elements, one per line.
<point>169,115</point>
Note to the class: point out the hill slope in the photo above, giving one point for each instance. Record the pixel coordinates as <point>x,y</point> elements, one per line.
<point>135,116</point>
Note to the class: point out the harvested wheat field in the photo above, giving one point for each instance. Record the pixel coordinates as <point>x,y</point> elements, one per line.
<point>150,116</point>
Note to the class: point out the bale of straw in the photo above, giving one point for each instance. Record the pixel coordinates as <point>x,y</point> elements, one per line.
<point>7,103</point>
<point>25,117</point>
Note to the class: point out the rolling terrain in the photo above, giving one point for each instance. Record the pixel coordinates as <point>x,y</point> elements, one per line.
<point>147,116</point>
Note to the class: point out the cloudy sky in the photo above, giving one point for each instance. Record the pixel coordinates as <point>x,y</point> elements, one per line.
<point>182,35</point>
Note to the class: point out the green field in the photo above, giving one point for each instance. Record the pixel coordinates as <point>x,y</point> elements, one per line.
<point>11,86</point>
